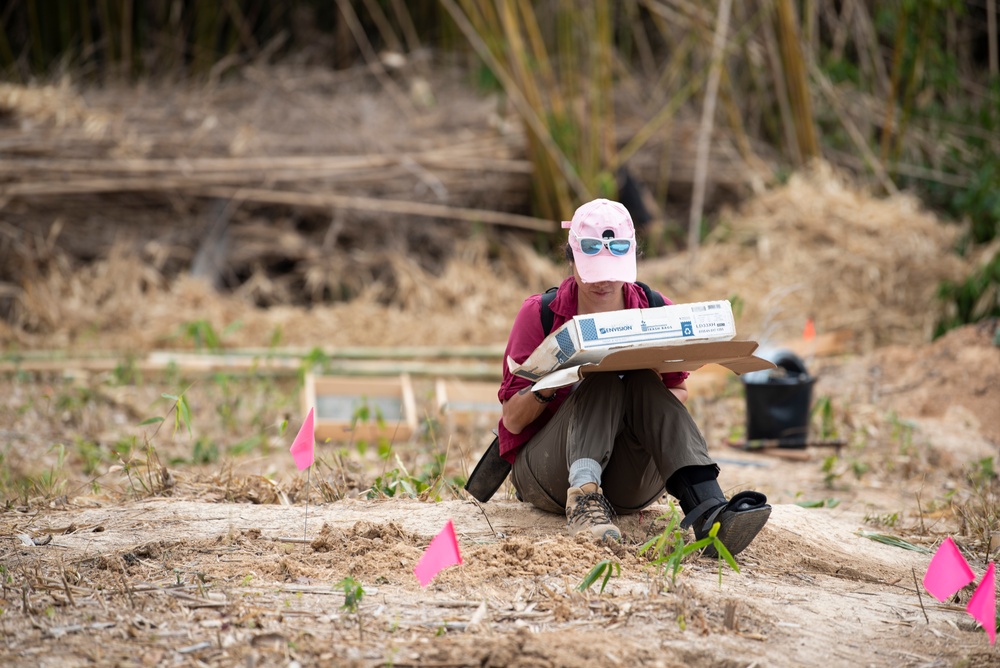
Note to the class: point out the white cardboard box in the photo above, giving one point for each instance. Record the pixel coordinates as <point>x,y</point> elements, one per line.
<point>678,337</point>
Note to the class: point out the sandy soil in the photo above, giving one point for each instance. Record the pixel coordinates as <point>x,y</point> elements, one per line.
<point>168,561</point>
<point>186,578</point>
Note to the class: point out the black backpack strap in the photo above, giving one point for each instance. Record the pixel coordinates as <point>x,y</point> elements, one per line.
<point>653,298</point>
<point>547,316</point>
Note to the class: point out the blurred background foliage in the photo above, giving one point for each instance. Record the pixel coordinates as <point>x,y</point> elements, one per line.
<point>903,93</point>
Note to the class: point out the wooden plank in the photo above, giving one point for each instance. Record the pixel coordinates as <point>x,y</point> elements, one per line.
<point>337,401</point>
<point>200,364</point>
<point>462,403</point>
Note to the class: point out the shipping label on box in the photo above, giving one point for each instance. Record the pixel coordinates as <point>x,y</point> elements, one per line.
<point>587,339</point>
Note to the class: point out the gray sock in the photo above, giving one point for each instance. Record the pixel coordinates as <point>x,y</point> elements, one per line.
<point>583,471</point>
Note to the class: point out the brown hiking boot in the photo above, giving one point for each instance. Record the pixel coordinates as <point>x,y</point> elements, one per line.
<point>588,510</point>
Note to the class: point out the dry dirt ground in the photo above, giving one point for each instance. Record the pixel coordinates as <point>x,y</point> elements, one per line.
<point>132,550</point>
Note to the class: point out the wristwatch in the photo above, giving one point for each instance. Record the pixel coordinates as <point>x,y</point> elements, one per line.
<point>541,398</point>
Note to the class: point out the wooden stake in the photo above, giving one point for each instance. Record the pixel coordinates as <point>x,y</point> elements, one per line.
<point>920,598</point>
<point>305,525</point>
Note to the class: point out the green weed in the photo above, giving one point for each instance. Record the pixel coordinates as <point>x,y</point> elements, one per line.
<point>228,407</point>
<point>91,454</point>
<point>247,445</point>
<point>604,568</point>
<point>824,408</point>
<point>902,433</point>
<point>126,372</point>
<point>820,503</point>
<point>181,411</point>
<point>203,336</point>
<point>669,550</point>
<point>830,472</point>
<point>354,592</point>
<point>894,541</point>
<point>205,451</point>
<point>859,468</point>
<point>398,482</point>
<point>887,520</point>
<point>46,485</point>
<point>980,512</point>
<point>314,359</point>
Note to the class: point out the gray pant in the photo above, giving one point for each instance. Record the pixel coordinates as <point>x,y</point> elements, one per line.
<point>633,425</point>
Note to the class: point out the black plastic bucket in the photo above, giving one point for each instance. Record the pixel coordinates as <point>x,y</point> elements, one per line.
<point>779,401</point>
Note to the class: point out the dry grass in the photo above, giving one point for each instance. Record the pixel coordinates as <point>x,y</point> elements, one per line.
<point>823,248</point>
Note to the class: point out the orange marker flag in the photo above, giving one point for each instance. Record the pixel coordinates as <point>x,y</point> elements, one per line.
<point>440,554</point>
<point>809,331</point>
<point>304,444</point>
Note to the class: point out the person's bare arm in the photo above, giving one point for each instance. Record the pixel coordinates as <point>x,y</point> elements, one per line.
<point>522,409</point>
<point>680,391</point>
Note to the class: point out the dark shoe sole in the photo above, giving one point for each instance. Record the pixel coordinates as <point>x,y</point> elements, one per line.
<point>738,529</point>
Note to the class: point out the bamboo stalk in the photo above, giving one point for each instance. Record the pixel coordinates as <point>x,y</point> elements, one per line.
<point>695,16</point>
<point>662,117</point>
<point>6,55</point>
<point>203,42</point>
<point>991,35</point>
<point>325,201</point>
<point>126,39</point>
<point>705,130</point>
<point>243,29</point>
<point>734,110</point>
<point>859,141</point>
<point>603,152</point>
<point>810,22</point>
<point>897,72</point>
<point>308,200</point>
<point>568,172</point>
<point>291,166</point>
<point>665,19</point>
<point>371,58</point>
<point>638,30</point>
<point>868,38</point>
<point>35,32</point>
<point>916,69</point>
<point>795,75</point>
<point>384,27</point>
<point>406,25</point>
<point>542,60</point>
<point>549,192</point>
<point>781,89</point>
<point>740,136</point>
<point>840,33</point>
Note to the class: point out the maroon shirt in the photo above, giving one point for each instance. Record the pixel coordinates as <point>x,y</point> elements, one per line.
<point>526,334</point>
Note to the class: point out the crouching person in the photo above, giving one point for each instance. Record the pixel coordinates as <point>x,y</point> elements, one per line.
<point>614,442</point>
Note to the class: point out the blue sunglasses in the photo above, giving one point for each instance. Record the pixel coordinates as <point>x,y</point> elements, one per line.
<point>593,245</point>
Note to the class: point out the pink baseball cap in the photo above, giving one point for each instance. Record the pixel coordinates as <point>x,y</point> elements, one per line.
<point>605,221</point>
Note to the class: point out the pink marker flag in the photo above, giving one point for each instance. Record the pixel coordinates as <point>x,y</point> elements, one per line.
<point>304,444</point>
<point>440,554</point>
<point>983,604</point>
<point>948,571</point>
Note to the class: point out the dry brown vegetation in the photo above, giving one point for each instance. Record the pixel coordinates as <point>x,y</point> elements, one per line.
<point>125,544</point>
